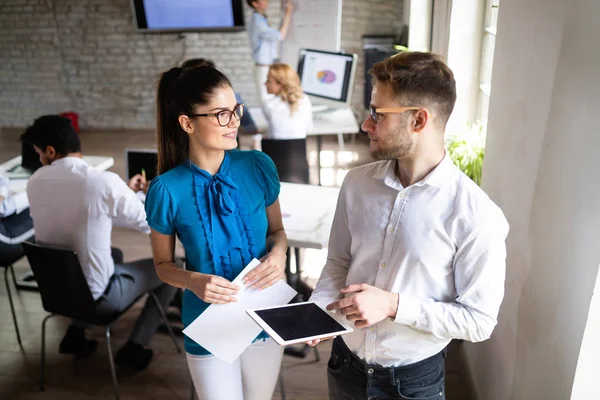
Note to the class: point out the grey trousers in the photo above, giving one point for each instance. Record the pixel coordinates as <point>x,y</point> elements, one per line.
<point>128,282</point>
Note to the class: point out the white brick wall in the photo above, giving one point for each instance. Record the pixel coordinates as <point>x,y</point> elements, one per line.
<point>85,56</point>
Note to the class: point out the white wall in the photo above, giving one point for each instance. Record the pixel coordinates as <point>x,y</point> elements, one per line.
<point>86,56</point>
<point>440,29</point>
<point>586,375</point>
<point>541,167</point>
<point>464,57</point>
<point>419,25</point>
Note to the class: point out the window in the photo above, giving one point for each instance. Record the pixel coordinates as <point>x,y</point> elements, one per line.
<point>487,59</point>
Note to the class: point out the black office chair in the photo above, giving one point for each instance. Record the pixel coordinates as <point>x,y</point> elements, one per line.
<point>10,254</point>
<point>14,229</point>
<point>65,292</point>
<point>289,156</point>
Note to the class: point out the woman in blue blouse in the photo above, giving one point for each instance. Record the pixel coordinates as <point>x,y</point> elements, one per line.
<point>222,204</point>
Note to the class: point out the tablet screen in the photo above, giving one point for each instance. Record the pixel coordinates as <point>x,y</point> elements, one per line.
<point>301,321</point>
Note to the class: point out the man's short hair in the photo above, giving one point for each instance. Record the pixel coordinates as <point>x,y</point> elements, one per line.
<point>197,62</point>
<point>55,131</point>
<point>250,2</point>
<point>419,79</point>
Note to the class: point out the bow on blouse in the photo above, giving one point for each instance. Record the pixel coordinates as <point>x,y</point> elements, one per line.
<point>221,188</point>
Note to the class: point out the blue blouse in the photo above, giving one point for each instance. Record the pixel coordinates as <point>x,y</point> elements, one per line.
<point>221,220</point>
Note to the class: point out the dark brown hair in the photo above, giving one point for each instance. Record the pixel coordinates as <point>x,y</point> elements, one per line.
<point>198,62</point>
<point>55,131</point>
<point>419,79</point>
<point>179,91</point>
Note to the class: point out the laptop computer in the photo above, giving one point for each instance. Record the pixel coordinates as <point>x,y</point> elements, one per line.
<point>138,160</point>
<point>30,162</point>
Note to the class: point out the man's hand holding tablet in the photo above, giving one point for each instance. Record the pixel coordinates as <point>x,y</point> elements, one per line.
<point>366,306</point>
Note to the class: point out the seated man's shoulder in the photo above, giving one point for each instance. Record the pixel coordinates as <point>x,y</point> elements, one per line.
<point>103,182</point>
<point>39,174</point>
<point>106,177</point>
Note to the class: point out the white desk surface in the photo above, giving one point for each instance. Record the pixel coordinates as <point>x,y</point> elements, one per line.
<point>307,214</point>
<point>330,122</point>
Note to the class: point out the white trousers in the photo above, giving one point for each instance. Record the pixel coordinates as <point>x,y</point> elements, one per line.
<point>260,77</point>
<point>252,376</point>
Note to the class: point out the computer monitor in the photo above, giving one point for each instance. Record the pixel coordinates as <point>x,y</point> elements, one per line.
<point>327,77</point>
<point>137,160</point>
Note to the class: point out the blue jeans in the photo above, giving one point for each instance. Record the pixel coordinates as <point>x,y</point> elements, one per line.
<point>350,378</point>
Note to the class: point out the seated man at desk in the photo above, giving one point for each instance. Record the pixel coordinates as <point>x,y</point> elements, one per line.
<point>74,206</point>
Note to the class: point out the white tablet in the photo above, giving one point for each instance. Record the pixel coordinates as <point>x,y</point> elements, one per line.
<point>298,322</point>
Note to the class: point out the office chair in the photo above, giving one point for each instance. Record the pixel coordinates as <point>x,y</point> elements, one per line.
<point>65,292</point>
<point>10,254</point>
<point>289,157</point>
<point>14,229</point>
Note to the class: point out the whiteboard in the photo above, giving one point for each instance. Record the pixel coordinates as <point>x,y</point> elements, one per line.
<point>316,24</point>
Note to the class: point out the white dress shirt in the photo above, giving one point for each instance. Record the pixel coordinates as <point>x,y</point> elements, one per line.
<point>439,243</point>
<point>74,206</point>
<point>10,203</point>
<point>283,124</point>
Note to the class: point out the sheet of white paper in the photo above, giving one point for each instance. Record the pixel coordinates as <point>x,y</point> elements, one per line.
<point>226,330</point>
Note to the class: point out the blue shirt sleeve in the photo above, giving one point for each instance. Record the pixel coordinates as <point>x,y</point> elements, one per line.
<point>246,122</point>
<point>267,173</point>
<point>265,32</point>
<point>159,212</point>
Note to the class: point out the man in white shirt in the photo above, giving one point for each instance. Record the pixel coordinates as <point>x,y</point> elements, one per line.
<point>417,250</point>
<point>75,206</point>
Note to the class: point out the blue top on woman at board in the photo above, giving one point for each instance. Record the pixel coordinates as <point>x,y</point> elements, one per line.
<point>221,220</point>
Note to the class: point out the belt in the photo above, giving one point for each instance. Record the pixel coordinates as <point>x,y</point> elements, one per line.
<point>262,65</point>
<point>358,365</point>
<point>110,282</point>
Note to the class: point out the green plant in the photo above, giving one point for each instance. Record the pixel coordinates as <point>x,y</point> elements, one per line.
<point>466,149</point>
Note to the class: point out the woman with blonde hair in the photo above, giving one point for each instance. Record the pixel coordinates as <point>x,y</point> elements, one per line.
<point>289,113</point>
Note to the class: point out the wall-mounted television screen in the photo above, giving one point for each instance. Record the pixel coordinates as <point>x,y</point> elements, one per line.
<point>188,15</point>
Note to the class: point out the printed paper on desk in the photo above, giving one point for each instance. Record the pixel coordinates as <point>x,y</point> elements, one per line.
<point>226,330</point>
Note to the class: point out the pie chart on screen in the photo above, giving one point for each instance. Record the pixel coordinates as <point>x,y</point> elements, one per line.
<point>326,76</point>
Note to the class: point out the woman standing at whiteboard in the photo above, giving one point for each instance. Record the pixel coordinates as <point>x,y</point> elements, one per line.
<point>289,113</point>
<point>264,40</point>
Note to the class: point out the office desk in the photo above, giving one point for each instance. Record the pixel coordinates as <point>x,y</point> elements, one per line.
<point>307,214</point>
<point>330,122</point>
